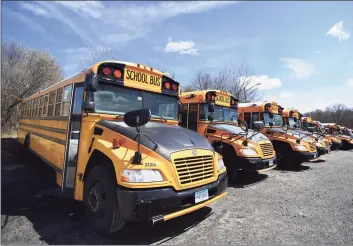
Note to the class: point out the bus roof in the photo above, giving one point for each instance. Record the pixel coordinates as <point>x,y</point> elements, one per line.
<point>79,77</point>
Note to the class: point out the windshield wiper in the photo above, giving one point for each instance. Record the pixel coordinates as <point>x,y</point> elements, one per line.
<point>160,116</point>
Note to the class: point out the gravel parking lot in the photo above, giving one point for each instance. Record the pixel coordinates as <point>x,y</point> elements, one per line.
<point>311,205</point>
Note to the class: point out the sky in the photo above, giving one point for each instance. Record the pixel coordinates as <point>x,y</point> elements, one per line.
<point>301,53</point>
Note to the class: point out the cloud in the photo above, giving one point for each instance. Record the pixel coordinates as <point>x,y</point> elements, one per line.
<point>181,47</point>
<point>29,23</point>
<point>286,94</point>
<point>300,68</point>
<point>318,52</point>
<point>35,9</point>
<point>350,82</point>
<point>264,82</point>
<point>338,31</point>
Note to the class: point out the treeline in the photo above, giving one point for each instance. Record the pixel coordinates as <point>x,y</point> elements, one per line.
<point>338,113</point>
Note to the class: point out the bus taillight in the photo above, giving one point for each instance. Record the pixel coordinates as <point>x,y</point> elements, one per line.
<point>174,87</point>
<point>106,71</point>
<point>117,73</point>
<point>167,85</point>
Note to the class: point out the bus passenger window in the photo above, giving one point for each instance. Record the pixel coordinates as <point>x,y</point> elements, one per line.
<point>66,100</point>
<point>247,119</point>
<point>59,93</point>
<point>51,103</point>
<point>45,106</point>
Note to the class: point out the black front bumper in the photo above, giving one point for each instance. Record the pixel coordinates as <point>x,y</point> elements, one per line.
<point>144,204</point>
<point>336,145</point>
<point>322,150</point>
<point>254,164</point>
<point>304,155</point>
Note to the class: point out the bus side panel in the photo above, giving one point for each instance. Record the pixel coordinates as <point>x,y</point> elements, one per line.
<point>21,134</point>
<point>51,151</point>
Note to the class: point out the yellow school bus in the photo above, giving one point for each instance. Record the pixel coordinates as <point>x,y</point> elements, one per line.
<point>335,130</point>
<point>291,148</point>
<point>111,134</point>
<point>346,136</point>
<point>292,118</point>
<point>331,134</point>
<point>214,114</point>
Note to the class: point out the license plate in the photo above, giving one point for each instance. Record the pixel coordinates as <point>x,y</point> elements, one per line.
<point>201,196</point>
<point>270,163</point>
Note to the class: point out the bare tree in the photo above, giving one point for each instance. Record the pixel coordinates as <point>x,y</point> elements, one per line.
<point>97,53</point>
<point>337,113</point>
<point>24,71</point>
<point>235,80</point>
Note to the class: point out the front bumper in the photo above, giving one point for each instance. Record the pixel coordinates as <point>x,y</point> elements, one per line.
<point>322,150</point>
<point>165,203</point>
<point>305,155</point>
<point>256,164</point>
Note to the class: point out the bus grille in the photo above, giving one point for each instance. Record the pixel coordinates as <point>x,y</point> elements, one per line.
<point>267,149</point>
<point>193,169</point>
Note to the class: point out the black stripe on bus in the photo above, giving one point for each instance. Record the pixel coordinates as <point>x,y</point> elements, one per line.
<point>57,169</point>
<point>56,140</point>
<point>59,118</point>
<point>58,130</point>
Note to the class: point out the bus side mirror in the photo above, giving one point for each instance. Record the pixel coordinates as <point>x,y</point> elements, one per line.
<point>137,118</point>
<point>90,86</point>
<point>211,107</point>
<point>270,115</point>
<point>295,119</point>
<point>244,126</point>
<point>258,125</point>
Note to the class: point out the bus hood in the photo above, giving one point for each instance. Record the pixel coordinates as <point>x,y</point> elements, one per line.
<point>236,130</point>
<point>161,138</point>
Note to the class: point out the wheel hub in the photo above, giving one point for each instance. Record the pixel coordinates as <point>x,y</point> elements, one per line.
<point>96,199</point>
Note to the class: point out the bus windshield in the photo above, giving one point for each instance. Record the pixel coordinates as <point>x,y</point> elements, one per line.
<point>276,120</point>
<point>112,99</point>
<point>291,123</point>
<point>222,114</point>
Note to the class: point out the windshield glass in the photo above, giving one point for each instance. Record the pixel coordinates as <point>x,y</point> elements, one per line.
<point>112,99</point>
<point>223,114</point>
<point>276,120</point>
<point>291,123</point>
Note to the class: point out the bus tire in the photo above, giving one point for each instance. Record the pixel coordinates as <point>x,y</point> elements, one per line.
<point>286,159</point>
<point>100,201</point>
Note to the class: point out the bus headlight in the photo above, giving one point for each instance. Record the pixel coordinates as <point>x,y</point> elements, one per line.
<point>300,147</point>
<point>221,164</point>
<point>141,176</point>
<point>248,151</point>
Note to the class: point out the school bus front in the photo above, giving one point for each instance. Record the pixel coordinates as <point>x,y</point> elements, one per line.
<point>133,162</point>
<point>291,148</point>
<point>214,114</point>
<point>292,118</point>
<point>331,131</point>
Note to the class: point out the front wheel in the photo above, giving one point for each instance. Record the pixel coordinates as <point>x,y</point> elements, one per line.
<point>100,201</point>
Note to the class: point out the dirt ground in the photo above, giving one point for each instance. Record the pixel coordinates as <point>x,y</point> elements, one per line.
<point>310,205</point>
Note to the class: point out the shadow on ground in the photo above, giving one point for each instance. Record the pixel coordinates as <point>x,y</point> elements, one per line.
<point>299,168</point>
<point>29,190</point>
<point>246,179</point>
